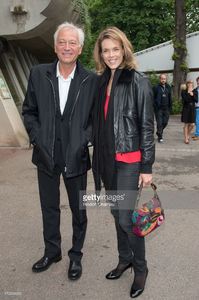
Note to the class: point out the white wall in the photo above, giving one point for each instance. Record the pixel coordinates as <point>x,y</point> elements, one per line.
<point>159,58</point>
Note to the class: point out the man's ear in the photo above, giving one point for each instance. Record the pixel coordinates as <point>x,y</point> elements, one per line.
<point>80,49</point>
<point>55,49</point>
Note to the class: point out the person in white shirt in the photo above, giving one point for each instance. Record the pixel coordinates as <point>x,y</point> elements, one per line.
<point>57,115</point>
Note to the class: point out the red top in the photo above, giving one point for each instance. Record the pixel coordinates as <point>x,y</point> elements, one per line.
<point>128,157</point>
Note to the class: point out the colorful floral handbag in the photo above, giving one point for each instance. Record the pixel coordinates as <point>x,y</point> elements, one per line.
<point>149,216</point>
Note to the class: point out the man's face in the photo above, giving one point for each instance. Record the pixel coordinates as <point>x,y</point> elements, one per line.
<point>163,79</point>
<point>67,46</point>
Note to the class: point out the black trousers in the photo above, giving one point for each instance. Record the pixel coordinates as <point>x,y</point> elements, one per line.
<point>162,118</point>
<point>131,248</point>
<point>50,206</point>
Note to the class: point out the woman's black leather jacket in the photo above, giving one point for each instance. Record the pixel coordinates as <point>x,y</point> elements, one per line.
<point>133,117</point>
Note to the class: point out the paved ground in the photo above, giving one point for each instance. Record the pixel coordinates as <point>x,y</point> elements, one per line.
<point>172,251</point>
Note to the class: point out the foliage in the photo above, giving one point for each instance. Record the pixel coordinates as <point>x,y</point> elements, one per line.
<point>180,46</point>
<point>81,7</point>
<point>146,23</point>
<point>154,78</point>
<point>176,106</point>
<point>192,8</point>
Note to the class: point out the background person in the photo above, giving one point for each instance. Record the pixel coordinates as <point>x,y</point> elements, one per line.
<point>188,110</point>
<point>196,91</point>
<point>123,144</point>
<point>56,114</point>
<point>162,105</point>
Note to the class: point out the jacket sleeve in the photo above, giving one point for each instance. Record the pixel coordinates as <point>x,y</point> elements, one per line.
<point>30,111</point>
<point>157,96</point>
<point>146,124</point>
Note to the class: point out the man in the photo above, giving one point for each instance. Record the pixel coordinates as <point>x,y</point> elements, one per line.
<point>56,114</point>
<point>196,134</point>
<point>162,105</point>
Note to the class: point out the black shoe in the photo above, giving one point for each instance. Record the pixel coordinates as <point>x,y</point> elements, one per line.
<point>44,263</point>
<point>75,270</point>
<point>160,140</point>
<point>116,273</point>
<point>138,285</point>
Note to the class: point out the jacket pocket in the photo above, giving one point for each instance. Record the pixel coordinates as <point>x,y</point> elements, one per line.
<point>41,157</point>
<point>84,153</point>
<point>130,121</point>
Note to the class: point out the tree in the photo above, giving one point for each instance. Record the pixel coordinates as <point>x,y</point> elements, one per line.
<point>82,8</point>
<point>146,23</point>
<point>192,12</point>
<point>180,50</point>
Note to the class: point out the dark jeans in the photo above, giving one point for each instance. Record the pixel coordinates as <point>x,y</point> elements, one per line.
<point>50,206</point>
<point>130,247</point>
<point>162,118</point>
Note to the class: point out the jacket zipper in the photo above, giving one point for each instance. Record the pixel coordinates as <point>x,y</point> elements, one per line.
<point>77,98</point>
<point>54,97</point>
<point>65,169</point>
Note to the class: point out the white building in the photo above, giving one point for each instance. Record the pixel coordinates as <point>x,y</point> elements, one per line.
<point>159,57</point>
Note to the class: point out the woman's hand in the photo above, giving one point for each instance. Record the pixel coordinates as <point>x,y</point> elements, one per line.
<point>190,92</point>
<point>145,179</point>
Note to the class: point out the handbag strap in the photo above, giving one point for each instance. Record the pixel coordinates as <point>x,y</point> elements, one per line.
<point>154,188</point>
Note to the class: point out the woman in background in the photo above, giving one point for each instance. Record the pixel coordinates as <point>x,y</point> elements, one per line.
<point>188,110</point>
<point>123,144</point>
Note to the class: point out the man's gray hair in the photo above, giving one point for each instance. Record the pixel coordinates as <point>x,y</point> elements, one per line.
<point>67,25</point>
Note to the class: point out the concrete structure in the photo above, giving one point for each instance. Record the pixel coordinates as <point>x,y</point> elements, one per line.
<point>31,24</point>
<point>12,131</point>
<point>159,57</point>
<point>26,38</point>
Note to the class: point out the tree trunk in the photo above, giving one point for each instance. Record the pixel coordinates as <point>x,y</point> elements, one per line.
<point>180,50</point>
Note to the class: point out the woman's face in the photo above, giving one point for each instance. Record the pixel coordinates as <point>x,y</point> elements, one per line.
<point>190,85</point>
<point>112,53</point>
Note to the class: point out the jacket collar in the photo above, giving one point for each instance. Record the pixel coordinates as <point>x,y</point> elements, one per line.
<point>70,76</point>
<point>80,71</point>
<point>121,76</point>
<point>126,76</point>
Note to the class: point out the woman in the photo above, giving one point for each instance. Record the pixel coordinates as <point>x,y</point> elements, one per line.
<point>124,143</point>
<point>188,110</point>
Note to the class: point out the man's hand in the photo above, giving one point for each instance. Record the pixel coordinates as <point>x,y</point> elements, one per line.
<point>145,179</point>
